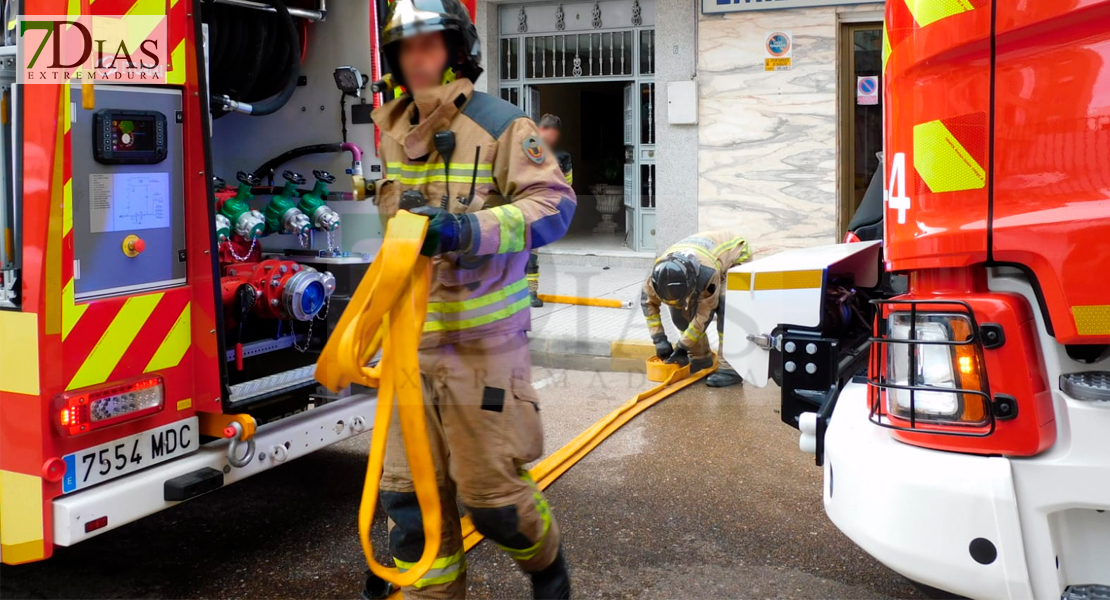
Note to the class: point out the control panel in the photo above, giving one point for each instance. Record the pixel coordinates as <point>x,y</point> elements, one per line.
<point>123,137</point>
<point>128,199</point>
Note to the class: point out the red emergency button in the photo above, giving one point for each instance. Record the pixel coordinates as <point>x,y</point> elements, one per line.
<point>133,245</point>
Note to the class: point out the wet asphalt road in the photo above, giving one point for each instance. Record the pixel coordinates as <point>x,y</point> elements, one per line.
<point>704,495</point>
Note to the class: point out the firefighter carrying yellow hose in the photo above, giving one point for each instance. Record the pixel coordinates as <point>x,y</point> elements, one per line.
<point>475,166</point>
<point>690,279</point>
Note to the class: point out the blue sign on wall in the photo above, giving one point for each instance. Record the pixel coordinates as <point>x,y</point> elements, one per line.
<point>724,6</point>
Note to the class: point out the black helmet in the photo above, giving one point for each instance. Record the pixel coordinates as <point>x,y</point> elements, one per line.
<point>675,278</point>
<point>408,18</point>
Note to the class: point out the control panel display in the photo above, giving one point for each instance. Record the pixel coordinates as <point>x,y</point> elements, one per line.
<point>128,201</point>
<point>129,137</point>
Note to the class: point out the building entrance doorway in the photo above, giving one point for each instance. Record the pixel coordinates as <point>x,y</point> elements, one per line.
<point>593,134</point>
<point>593,65</point>
<point>861,110</point>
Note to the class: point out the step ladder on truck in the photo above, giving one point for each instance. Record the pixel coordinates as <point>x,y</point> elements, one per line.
<point>163,300</point>
<point>949,365</point>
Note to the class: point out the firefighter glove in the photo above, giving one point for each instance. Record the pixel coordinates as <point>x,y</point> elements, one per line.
<point>680,356</point>
<point>446,232</point>
<point>663,348</point>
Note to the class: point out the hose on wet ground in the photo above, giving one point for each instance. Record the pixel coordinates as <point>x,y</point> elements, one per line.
<point>387,313</point>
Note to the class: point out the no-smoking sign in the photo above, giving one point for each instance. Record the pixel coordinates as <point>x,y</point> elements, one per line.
<point>867,90</point>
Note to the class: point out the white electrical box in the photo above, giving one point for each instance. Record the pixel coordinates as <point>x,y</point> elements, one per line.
<point>682,102</point>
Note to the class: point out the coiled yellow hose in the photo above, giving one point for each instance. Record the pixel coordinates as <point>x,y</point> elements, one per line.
<point>387,312</point>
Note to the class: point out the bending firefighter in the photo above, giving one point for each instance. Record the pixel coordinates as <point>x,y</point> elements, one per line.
<point>458,156</point>
<point>551,127</point>
<point>689,278</point>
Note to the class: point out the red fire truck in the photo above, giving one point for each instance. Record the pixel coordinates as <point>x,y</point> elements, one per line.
<point>954,378</point>
<point>158,326</point>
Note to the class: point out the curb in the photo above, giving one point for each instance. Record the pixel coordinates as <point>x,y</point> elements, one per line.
<point>635,349</point>
<point>638,349</point>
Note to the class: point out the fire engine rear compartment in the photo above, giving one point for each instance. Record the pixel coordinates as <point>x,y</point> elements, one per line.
<point>275,373</point>
<point>148,303</point>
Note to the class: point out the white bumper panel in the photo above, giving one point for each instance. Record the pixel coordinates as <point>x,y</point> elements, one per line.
<point>786,288</point>
<point>1064,495</point>
<point>917,510</point>
<point>141,494</point>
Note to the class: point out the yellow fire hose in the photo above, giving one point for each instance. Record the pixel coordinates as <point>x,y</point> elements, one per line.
<point>387,312</point>
<point>549,469</point>
<point>603,302</point>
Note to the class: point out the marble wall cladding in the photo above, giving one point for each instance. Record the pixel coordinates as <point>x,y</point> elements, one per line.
<point>767,140</point>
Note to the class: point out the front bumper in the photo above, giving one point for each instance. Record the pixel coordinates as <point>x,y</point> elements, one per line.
<point>943,519</point>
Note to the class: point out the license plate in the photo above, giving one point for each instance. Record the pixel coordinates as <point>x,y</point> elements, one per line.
<point>127,455</point>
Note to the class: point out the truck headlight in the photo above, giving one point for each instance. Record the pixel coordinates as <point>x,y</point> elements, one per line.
<point>935,373</point>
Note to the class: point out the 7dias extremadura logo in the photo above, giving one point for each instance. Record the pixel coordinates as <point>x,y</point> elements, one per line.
<point>104,49</point>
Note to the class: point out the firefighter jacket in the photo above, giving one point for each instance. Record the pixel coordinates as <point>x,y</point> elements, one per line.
<point>521,202</point>
<point>714,252</point>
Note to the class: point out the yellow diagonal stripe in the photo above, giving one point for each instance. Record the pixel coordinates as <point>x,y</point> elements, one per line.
<point>21,523</point>
<point>67,208</point>
<point>115,341</point>
<point>927,12</point>
<point>942,162</point>
<point>66,114</point>
<point>173,348</point>
<point>177,59</point>
<point>886,47</point>
<point>148,7</point>
<point>71,312</point>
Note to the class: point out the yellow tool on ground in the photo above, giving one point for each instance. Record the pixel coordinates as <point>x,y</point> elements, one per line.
<point>387,312</point>
<point>602,302</point>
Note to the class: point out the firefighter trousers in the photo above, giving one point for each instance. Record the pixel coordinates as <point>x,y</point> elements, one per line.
<point>484,426</point>
<point>701,349</point>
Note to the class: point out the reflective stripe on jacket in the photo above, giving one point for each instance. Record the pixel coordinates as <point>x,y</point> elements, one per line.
<point>521,201</point>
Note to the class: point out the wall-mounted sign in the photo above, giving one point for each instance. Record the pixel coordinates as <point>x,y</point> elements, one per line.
<point>724,6</point>
<point>867,90</point>
<point>778,47</point>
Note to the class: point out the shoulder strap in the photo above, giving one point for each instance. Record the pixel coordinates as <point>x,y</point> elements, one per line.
<point>492,114</point>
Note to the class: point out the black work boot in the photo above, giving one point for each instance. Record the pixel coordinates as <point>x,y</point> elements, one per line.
<point>724,378</point>
<point>376,588</point>
<point>536,302</point>
<point>552,583</point>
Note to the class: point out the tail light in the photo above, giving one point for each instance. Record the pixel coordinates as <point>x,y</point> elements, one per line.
<point>83,411</point>
<point>927,371</point>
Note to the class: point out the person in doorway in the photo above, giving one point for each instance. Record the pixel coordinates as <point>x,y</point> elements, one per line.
<point>483,416</point>
<point>690,279</point>
<point>551,127</point>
